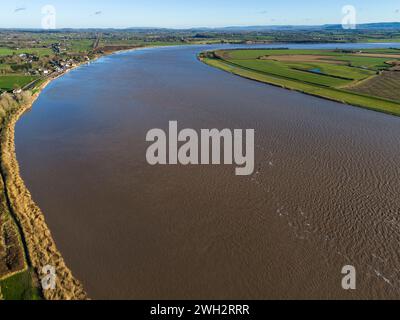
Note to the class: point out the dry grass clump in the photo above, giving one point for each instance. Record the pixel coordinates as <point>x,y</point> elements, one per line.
<point>7,104</point>
<point>12,258</point>
<point>36,235</point>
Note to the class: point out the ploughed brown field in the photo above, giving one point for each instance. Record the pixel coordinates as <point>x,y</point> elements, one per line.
<point>386,85</point>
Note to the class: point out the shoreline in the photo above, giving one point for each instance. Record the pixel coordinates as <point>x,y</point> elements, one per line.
<point>42,249</point>
<point>36,240</point>
<point>36,237</point>
<point>275,81</point>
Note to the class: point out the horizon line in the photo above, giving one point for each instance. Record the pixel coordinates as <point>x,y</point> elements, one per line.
<point>195,27</point>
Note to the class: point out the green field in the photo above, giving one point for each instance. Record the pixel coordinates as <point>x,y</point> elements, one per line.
<point>20,287</point>
<point>37,51</point>
<point>325,73</point>
<point>10,82</point>
<point>79,46</point>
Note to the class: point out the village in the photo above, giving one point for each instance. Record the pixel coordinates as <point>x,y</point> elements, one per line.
<point>26,68</point>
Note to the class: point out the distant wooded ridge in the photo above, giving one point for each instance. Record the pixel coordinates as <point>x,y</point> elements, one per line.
<point>363,26</point>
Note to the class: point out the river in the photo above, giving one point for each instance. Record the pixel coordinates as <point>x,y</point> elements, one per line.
<point>325,192</point>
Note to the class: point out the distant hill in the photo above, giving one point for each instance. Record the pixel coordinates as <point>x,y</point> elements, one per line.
<point>365,26</point>
<point>369,26</point>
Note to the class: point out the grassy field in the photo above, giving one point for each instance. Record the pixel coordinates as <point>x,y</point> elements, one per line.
<point>330,74</point>
<point>10,82</point>
<point>80,46</point>
<point>20,287</point>
<point>37,51</point>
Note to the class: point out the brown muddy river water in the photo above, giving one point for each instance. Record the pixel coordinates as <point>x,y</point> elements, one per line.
<point>325,192</point>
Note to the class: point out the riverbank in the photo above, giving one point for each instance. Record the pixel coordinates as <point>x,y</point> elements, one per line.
<point>299,71</point>
<point>23,224</point>
<point>40,248</point>
<point>36,247</point>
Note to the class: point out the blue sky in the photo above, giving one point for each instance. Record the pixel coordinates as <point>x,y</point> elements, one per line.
<point>189,13</point>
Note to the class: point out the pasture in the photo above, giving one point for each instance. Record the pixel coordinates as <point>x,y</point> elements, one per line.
<point>40,52</point>
<point>352,77</point>
<point>12,81</point>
